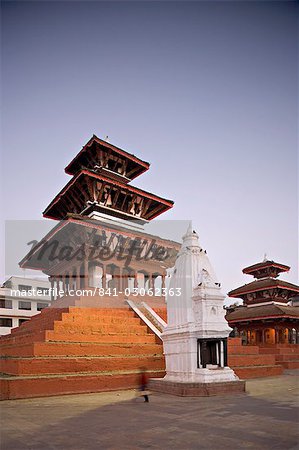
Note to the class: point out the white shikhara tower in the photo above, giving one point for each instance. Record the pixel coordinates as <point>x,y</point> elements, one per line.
<point>195,339</point>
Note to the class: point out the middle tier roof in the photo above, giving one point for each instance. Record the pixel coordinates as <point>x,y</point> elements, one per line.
<point>88,191</point>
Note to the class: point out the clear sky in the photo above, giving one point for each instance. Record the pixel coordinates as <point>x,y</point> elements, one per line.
<point>204,91</point>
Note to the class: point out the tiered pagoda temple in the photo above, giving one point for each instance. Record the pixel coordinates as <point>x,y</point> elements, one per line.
<point>97,342</point>
<point>100,239</point>
<point>267,315</point>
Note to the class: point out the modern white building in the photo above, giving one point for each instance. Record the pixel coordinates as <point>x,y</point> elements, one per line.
<point>20,299</point>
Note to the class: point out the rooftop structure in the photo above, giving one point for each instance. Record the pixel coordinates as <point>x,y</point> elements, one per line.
<point>20,299</point>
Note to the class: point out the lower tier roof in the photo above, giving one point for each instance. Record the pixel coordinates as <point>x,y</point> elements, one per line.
<point>272,310</point>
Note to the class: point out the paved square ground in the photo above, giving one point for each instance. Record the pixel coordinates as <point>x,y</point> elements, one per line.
<point>265,418</point>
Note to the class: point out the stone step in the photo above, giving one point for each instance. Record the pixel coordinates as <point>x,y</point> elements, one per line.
<point>68,329</point>
<point>45,386</point>
<point>250,360</point>
<point>101,338</point>
<point>243,350</point>
<point>25,338</point>
<point>288,357</point>
<point>55,336</point>
<point>32,328</point>
<point>62,327</point>
<point>38,322</point>
<point>100,323</point>
<point>245,373</point>
<point>39,366</point>
<point>280,350</point>
<point>81,349</point>
<point>101,312</point>
<point>279,345</point>
<point>290,364</point>
<point>72,318</point>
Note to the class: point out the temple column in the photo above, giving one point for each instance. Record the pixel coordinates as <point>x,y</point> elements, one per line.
<point>125,280</point>
<point>150,281</point>
<point>78,285</point>
<point>51,279</point>
<point>163,281</point>
<point>153,283</point>
<point>104,278</point>
<point>135,280</point>
<point>57,281</point>
<point>60,285</point>
<point>63,284</point>
<point>54,288</point>
<point>70,280</point>
<point>276,336</point>
<point>85,273</point>
<point>74,276</point>
<point>120,283</point>
<point>67,282</point>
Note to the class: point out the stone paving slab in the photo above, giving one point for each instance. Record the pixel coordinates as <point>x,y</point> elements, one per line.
<point>265,418</point>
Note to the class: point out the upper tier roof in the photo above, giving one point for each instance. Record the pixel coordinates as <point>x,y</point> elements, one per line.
<point>266,268</point>
<point>102,154</point>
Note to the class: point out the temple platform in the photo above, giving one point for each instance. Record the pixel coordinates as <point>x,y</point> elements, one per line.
<point>197,389</point>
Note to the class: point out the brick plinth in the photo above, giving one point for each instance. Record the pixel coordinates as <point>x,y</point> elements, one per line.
<point>90,349</point>
<point>197,389</point>
<point>78,350</point>
<point>285,355</point>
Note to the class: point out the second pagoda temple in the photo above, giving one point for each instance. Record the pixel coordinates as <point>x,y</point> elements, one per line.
<point>268,314</point>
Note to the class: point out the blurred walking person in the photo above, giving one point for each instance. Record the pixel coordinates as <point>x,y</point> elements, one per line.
<point>143,384</point>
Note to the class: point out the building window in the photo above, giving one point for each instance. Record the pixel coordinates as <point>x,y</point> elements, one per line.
<point>24,287</point>
<point>5,322</point>
<point>22,321</point>
<point>42,291</point>
<point>25,305</point>
<point>5,303</point>
<point>41,306</point>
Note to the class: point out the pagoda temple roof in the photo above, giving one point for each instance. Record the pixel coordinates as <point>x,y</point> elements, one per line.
<point>82,188</point>
<point>257,312</point>
<point>262,284</point>
<point>264,265</point>
<point>71,225</point>
<point>86,158</point>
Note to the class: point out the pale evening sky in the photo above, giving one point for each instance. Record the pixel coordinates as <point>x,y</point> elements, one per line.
<point>204,91</point>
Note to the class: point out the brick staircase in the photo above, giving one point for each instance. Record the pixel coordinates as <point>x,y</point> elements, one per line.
<point>248,362</point>
<point>76,350</point>
<point>286,355</point>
